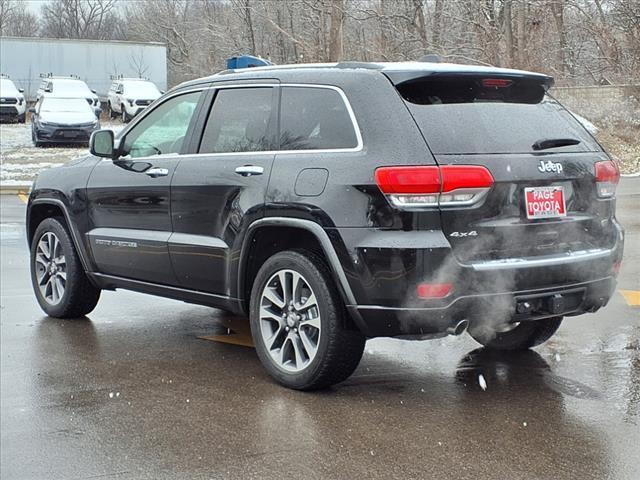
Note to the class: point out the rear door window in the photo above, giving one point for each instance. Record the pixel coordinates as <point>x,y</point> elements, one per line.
<point>480,115</point>
<point>313,118</point>
<point>241,120</point>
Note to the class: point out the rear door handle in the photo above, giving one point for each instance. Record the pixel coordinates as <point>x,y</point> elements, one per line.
<point>155,172</point>
<point>249,170</point>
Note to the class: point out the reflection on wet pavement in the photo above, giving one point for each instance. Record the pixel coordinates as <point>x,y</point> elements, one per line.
<point>131,392</point>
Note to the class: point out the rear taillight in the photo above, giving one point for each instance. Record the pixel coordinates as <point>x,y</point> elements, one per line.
<point>607,177</point>
<point>431,186</point>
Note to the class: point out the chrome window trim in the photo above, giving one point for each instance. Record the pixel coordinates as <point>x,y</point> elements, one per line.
<point>352,116</point>
<point>202,88</point>
<point>354,122</point>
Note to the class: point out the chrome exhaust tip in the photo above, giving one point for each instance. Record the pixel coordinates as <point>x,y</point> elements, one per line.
<point>459,328</point>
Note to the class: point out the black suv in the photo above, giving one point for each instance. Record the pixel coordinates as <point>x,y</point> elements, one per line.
<point>331,203</point>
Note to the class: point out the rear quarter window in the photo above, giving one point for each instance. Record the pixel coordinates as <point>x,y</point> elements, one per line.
<point>475,115</point>
<point>313,118</point>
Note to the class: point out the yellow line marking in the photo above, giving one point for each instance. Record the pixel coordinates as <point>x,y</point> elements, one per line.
<point>632,297</point>
<point>239,332</point>
<point>24,197</point>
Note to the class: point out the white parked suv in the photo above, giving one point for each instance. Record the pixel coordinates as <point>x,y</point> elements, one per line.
<point>129,96</point>
<point>67,87</point>
<point>12,103</point>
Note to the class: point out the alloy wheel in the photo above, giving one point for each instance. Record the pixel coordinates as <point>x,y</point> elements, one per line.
<point>290,322</point>
<point>51,268</point>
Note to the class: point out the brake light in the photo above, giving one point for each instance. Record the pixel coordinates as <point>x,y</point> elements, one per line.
<point>607,177</point>
<point>496,82</point>
<point>430,186</point>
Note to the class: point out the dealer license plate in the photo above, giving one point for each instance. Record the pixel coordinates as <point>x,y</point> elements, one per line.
<point>544,202</point>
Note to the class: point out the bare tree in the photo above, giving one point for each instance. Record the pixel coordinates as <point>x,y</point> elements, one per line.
<point>138,63</point>
<point>16,21</point>
<point>577,41</point>
<point>8,9</point>
<point>335,35</point>
<point>93,19</point>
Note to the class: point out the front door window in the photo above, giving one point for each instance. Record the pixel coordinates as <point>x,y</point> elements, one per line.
<point>163,130</point>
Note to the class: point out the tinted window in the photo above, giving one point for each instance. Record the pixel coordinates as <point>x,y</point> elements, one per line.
<point>240,121</point>
<point>490,115</point>
<point>163,130</point>
<point>314,118</point>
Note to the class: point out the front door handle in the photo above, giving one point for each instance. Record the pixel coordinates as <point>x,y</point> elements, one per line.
<point>155,172</point>
<point>249,170</point>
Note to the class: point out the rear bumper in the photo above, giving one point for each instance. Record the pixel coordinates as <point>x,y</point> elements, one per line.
<point>384,281</point>
<point>566,300</point>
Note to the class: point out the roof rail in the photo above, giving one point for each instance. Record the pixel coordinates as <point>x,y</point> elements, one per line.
<point>122,77</point>
<point>4,75</point>
<point>51,75</point>
<point>367,65</point>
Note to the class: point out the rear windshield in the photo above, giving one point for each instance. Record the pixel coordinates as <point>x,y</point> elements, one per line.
<point>480,115</point>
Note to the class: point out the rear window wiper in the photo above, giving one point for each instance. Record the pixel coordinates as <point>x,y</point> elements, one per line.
<point>554,142</point>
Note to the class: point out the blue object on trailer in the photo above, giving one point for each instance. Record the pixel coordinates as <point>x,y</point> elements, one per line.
<point>246,61</point>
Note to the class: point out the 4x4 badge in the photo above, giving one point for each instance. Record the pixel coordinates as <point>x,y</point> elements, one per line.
<point>472,233</point>
<point>550,166</point>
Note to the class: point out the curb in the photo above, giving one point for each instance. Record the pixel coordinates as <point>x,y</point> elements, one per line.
<point>16,189</point>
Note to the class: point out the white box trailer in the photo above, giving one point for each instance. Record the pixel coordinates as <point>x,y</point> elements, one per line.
<point>94,61</point>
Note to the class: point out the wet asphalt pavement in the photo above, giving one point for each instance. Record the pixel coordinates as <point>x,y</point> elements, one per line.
<point>132,392</point>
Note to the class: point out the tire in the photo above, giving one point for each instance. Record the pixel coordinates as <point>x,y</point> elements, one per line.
<point>112,114</point>
<point>78,296</point>
<point>125,116</point>
<point>323,325</point>
<point>524,335</point>
<point>22,118</point>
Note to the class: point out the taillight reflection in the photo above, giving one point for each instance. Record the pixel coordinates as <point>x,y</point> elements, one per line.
<point>434,290</point>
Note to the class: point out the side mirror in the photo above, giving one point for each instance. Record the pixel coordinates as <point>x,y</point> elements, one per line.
<point>162,92</point>
<point>32,110</point>
<point>101,144</point>
<point>21,90</point>
<point>93,91</point>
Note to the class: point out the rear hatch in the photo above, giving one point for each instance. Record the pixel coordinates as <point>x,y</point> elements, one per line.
<point>545,198</point>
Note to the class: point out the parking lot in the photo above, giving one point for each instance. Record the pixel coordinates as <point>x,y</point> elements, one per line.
<point>134,391</point>
<point>21,160</point>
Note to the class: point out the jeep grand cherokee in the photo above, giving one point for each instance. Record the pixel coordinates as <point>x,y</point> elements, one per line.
<point>334,203</point>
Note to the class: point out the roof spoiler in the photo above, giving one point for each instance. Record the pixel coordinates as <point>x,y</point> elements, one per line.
<point>399,77</point>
